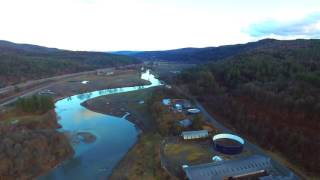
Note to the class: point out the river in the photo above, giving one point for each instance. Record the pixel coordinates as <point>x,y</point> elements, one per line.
<point>115,136</point>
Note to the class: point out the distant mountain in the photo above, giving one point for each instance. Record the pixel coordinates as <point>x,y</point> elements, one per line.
<point>203,55</point>
<point>20,62</point>
<point>127,53</point>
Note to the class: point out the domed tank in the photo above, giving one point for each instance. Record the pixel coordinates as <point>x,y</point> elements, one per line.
<point>228,143</point>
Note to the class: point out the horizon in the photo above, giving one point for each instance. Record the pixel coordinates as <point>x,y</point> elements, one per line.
<point>108,26</point>
<point>159,50</point>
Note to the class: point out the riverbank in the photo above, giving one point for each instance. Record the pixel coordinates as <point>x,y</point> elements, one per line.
<point>31,144</point>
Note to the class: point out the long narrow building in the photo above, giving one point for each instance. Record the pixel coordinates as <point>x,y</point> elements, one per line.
<point>252,167</point>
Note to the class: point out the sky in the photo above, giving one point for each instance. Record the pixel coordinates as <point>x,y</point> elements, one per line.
<point>112,25</point>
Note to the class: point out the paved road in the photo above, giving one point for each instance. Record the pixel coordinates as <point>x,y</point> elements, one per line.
<point>25,93</point>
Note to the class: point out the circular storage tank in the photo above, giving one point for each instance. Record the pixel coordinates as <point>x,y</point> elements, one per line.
<point>228,143</point>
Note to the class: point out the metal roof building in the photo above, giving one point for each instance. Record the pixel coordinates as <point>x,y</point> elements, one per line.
<point>233,169</point>
<point>195,134</point>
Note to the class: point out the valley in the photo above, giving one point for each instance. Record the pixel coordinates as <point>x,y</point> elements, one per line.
<point>235,94</point>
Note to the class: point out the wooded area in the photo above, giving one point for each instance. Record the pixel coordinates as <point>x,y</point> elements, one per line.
<point>19,63</point>
<point>270,95</point>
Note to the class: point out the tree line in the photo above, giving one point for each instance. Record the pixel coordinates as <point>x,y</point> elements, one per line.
<point>35,104</point>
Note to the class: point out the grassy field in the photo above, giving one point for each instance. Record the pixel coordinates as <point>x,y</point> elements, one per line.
<point>119,104</point>
<point>143,161</point>
<point>188,153</point>
<point>120,78</point>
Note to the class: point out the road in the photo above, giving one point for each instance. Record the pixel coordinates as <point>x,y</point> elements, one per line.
<point>38,85</point>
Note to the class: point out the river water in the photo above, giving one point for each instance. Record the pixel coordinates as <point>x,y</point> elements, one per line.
<point>115,136</point>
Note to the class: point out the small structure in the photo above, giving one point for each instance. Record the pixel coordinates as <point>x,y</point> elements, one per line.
<point>217,158</point>
<point>193,111</point>
<point>168,86</point>
<point>105,72</point>
<point>178,107</point>
<point>228,143</point>
<point>182,102</point>
<point>166,102</point>
<point>256,166</point>
<point>46,92</point>
<point>194,134</point>
<point>185,123</point>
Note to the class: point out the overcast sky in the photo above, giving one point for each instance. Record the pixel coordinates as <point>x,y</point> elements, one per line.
<point>108,25</point>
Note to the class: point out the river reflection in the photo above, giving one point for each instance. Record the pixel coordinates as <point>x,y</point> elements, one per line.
<point>115,136</point>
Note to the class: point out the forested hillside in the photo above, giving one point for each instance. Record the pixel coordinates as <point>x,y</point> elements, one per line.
<point>204,55</point>
<point>20,62</point>
<point>271,95</point>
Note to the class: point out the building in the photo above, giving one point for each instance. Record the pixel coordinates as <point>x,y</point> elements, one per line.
<point>252,167</point>
<point>182,102</point>
<point>185,123</point>
<point>105,72</point>
<point>194,134</point>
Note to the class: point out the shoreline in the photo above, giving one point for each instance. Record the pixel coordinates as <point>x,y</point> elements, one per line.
<point>120,80</point>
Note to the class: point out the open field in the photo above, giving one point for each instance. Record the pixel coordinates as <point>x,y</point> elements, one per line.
<point>192,152</point>
<point>164,68</point>
<point>134,103</point>
<point>120,78</point>
<point>142,162</point>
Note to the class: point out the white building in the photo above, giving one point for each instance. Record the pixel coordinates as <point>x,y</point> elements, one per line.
<point>195,134</point>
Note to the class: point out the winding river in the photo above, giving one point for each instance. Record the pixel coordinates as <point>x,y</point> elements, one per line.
<point>115,136</point>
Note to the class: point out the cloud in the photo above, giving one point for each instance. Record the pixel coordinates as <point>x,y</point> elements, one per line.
<point>307,27</point>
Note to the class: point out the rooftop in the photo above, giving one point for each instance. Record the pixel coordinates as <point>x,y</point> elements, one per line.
<point>190,133</point>
<point>226,169</point>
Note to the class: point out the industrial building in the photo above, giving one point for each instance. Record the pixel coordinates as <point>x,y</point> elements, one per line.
<point>194,134</point>
<point>252,167</point>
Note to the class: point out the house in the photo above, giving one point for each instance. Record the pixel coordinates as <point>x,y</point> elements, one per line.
<point>194,134</point>
<point>255,166</point>
<point>185,123</point>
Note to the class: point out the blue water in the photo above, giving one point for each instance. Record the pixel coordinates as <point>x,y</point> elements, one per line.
<point>115,136</point>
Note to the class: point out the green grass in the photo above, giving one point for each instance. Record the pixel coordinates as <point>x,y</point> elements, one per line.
<point>142,162</point>
<point>192,153</point>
